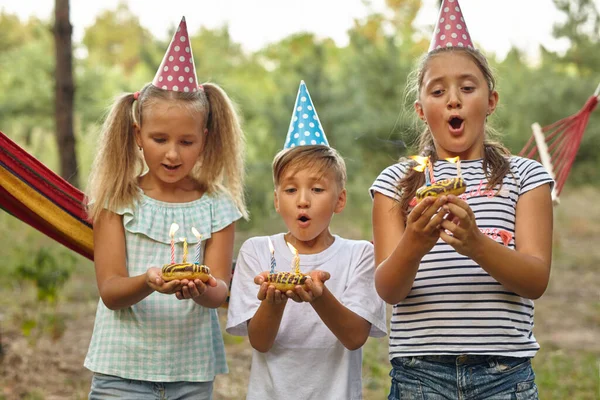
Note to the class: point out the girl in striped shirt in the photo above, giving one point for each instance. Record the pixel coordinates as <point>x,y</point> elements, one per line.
<point>462,271</point>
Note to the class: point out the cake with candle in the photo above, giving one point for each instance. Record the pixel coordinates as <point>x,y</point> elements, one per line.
<point>455,186</point>
<point>284,281</point>
<point>185,270</point>
<point>433,188</point>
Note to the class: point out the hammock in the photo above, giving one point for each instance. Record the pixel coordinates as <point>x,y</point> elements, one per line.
<point>556,145</point>
<point>37,196</point>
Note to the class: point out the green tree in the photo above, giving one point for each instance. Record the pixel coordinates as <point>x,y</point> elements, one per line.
<point>117,39</point>
<point>582,29</point>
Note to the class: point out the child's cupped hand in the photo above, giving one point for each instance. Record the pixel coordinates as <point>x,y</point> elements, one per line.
<point>423,223</point>
<point>268,292</point>
<point>195,288</point>
<point>315,285</point>
<point>155,281</point>
<point>459,229</point>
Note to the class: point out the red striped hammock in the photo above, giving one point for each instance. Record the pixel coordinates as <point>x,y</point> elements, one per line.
<point>33,193</point>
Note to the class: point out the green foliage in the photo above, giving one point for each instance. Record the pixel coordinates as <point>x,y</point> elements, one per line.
<point>47,272</point>
<point>561,375</point>
<point>359,90</point>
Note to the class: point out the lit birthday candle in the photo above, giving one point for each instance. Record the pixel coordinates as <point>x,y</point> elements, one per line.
<point>457,161</point>
<point>198,245</point>
<point>272,250</point>
<point>174,228</point>
<point>296,260</point>
<point>422,166</point>
<point>185,251</point>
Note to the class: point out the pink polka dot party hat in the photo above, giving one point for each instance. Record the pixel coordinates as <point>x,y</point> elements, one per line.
<point>177,71</point>
<point>451,29</point>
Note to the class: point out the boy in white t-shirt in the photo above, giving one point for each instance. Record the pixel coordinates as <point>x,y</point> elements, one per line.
<point>308,347</point>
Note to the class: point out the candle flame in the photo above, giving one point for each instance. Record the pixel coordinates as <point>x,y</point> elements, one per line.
<point>196,233</point>
<point>271,248</point>
<point>292,248</point>
<point>453,160</point>
<point>421,161</point>
<point>182,239</point>
<point>174,228</point>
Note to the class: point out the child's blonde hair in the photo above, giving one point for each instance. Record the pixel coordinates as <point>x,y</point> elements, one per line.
<point>319,157</point>
<point>495,162</point>
<point>119,164</point>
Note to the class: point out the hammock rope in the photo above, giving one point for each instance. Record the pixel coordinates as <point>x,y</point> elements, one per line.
<point>556,145</point>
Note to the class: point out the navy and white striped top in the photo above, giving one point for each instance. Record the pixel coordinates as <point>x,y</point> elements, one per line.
<point>456,307</point>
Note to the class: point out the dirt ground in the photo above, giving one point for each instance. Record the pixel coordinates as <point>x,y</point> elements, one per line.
<point>48,362</point>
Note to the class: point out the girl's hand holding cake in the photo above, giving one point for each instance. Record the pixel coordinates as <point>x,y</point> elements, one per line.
<point>459,229</point>
<point>155,281</point>
<point>423,223</point>
<point>192,289</point>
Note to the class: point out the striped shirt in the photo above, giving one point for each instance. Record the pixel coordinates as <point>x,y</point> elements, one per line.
<point>456,307</point>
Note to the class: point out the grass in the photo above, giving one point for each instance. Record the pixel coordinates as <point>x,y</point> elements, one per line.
<point>47,364</point>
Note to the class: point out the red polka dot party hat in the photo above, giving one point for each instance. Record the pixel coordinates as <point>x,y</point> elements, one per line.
<point>177,71</point>
<point>450,29</point>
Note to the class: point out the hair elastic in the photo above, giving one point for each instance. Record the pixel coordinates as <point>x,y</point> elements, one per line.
<point>136,95</point>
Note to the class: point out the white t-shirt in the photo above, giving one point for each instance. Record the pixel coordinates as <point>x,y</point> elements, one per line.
<point>307,361</point>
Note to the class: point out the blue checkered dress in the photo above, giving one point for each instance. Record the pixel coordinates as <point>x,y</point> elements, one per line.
<point>162,339</point>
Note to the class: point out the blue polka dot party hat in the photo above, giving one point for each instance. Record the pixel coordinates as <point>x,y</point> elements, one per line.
<point>305,127</point>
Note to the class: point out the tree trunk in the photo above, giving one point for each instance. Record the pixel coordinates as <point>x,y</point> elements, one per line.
<point>65,91</point>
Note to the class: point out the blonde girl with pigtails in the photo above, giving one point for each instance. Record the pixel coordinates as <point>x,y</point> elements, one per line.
<point>171,153</point>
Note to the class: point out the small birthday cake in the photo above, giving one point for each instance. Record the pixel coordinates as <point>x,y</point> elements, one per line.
<point>284,281</point>
<point>432,188</point>
<point>455,186</point>
<point>185,271</point>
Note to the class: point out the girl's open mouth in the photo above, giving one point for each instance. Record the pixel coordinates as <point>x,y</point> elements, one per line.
<point>456,124</point>
<point>171,167</point>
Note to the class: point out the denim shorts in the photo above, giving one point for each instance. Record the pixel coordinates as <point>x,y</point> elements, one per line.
<point>114,387</point>
<point>466,377</point>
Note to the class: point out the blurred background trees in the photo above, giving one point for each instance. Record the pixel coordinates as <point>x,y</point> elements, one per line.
<point>359,91</point>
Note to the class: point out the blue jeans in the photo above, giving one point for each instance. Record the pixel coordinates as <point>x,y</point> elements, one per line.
<point>114,387</point>
<point>466,377</point>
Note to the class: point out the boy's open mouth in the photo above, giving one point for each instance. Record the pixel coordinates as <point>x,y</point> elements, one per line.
<point>455,122</point>
<point>303,218</point>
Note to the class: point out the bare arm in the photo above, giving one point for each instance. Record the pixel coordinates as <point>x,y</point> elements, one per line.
<point>399,248</point>
<point>350,328</point>
<point>264,325</point>
<point>117,289</point>
<point>524,271</point>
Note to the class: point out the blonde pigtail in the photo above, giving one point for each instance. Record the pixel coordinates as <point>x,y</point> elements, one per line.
<point>112,180</point>
<point>222,164</point>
